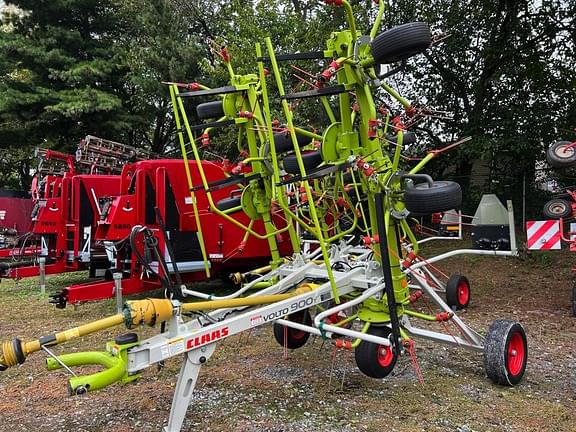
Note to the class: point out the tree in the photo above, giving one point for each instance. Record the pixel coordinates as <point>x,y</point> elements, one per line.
<point>159,49</point>
<point>499,74</point>
<point>72,68</point>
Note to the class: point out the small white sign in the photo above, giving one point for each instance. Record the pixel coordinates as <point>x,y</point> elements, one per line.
<point>176,347</point>
<point>256,320</point>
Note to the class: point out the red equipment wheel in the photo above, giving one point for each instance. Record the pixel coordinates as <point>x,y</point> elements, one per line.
<point>505,352</point>
<point>458,292</point>
<point>290,337</point>
<point>376,361</point>
<point>561,154</point>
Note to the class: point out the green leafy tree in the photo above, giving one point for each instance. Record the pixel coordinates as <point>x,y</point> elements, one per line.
<point>500,73</point>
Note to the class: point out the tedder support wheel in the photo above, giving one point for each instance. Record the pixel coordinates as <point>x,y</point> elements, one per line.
<point>423,199</point>
<point>458,292</point>
<point>561,154</point>
<point>208,110</point>
<point>376,361</point>
<point>283,141</point>
<point>401,42</point>
<point>311,160</point>
<point>290,337</point>
<point>408,138</point>
<point>557,208</point>
<point>505,352</point>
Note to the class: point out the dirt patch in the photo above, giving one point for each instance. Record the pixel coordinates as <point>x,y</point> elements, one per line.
<point>248,385</point>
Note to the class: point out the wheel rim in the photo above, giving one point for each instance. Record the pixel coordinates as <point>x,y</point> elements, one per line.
<point>557,208</point>
<point>385,355</point>
<point>463,293</point>
<point>565,151</point>
<point>516,353</point>
<point>297,334</point>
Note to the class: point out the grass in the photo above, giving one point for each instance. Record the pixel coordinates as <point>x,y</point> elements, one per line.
<point>248,385</point>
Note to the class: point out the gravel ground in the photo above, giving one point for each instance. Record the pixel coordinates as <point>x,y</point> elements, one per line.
<point>249,385</point>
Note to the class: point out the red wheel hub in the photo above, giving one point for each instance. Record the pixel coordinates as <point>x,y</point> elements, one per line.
<point>385,355</point>
<point>566,150</point>
<point>296,334</point>
<point>516,354</point>
<point>463,292</point>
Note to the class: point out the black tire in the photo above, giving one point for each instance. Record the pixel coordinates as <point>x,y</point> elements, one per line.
<point>458,292</point>
<point>208,110</point>
<point>283,142</point>
<point>505,352</point>
<point>409,138</point>
<point>561,154</point>
<point>401,42</point>
<point>442,196</point>
<point>311,160</point>
<point>228,203</point>
<point>290,337</point>
<point>376,361</point>
<point>557,208</point>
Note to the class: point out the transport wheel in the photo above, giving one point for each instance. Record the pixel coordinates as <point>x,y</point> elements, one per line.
<point>557,208</point>
<point>376,361</point>
<point>290,337</point>
<point>283,141</point>
<point>408,138</point>
<point>561,154</point>
<point>458,292</point>
<point>311,160</point>
<point>401,42</point>
<point>505,352</point>
<point>207,110</point>
<point>441,196</point>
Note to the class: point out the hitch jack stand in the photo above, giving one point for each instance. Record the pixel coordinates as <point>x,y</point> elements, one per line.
<point>191,364</point>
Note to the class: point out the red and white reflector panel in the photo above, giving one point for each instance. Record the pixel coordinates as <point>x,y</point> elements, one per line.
<point>543,235</point>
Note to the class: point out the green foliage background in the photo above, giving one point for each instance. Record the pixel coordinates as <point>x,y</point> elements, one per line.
<point>74,67</point>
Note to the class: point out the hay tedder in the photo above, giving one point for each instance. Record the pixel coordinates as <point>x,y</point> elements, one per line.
<point>344,186</point>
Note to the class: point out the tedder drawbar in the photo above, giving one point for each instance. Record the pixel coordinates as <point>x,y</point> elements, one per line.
<point>330,184</point>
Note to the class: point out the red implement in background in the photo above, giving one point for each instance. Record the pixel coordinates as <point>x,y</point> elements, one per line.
<point>162,184</point>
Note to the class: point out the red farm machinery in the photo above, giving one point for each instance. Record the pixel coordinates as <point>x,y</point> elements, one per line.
<point>157,235</point>
<point>65,194</point>
<point>15,222</point>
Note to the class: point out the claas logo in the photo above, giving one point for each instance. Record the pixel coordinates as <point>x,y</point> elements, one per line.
<point>213,336</point>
